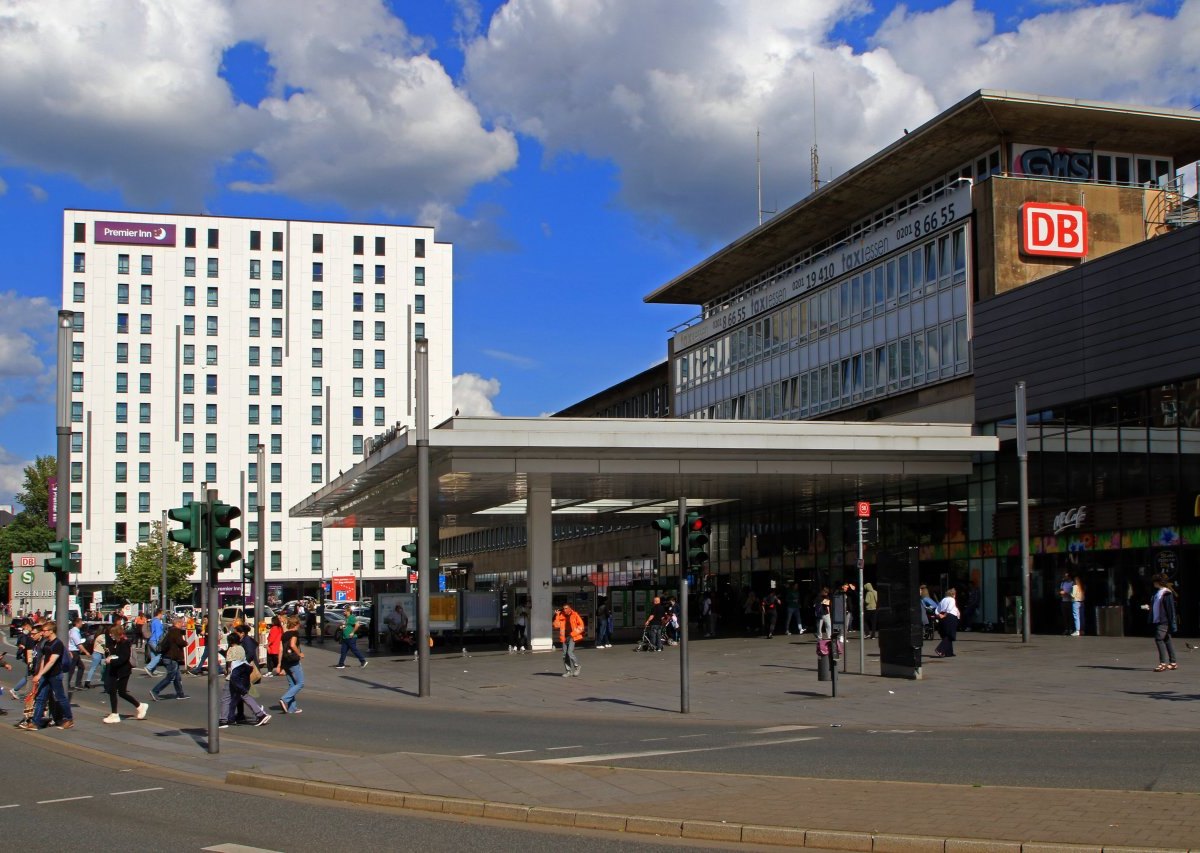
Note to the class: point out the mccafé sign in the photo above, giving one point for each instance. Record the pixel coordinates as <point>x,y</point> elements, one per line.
<point>135,233</point>
<point>1054,230</point>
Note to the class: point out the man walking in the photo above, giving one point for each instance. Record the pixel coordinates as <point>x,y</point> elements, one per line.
<point>350,640</point>
<point>770,604</point>
<point>49,680</point>
<point>792,600</point>
<point>174,647</point>
<point>654,622</point>
<point>157,631</point>
<point>570,631</point>
<point>310,623</point>
<point>75,650</point>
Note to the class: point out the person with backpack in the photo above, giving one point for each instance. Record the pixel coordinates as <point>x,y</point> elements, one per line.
<point>157,631</point>
<point>116,674</point>
<point>349,637</point>
<point>174,649</point>
<point>770,605</point>
<point>49,678</point>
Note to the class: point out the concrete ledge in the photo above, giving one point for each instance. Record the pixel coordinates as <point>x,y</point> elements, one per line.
<point>395,799</point>
<point>506,811</point>
<point>654,826</point>
<point>350,794</point>
<point>469,808</point>
<point>598,820</point>
<point>908,844</point>
<point>710,830</point>
<point>974,845</point>
<point>424,803</point>
<point>551,816</point>
<point>752,834</point>
<point>1108,849</point>
<point>320,789</point>
<point>824,839</point>
<point>1031,847</point>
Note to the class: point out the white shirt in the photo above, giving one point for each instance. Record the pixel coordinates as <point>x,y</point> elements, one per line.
<point>74,640</point>
<point>948,605</point>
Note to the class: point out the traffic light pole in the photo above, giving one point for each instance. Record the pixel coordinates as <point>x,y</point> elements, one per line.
<point>162,538</point>
<point>62,529</point>
<point>213,640</point>
<point>423,531</point>
<point>260,566</point>
<point>685,705</point>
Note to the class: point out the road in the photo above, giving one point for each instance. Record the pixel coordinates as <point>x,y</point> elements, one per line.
<point>57,799</point>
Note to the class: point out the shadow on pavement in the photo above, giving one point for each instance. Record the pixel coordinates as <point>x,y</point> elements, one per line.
<point>626,702</point>
<point>1168,695</point>
<point>811,693</point>
<point>375,685</point>
<point>1102,666</point>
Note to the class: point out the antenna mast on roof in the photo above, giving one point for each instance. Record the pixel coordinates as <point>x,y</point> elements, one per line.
<point>814,157</point>
<point>758,171</point>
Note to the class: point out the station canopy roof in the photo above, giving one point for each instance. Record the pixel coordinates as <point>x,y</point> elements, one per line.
<point>955,136</point>
<point>597,468</point>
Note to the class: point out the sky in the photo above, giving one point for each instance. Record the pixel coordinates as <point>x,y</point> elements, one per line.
<point>578,153</point>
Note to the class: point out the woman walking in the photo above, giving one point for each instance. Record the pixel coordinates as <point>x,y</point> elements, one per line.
<point>99,644</point>
<point>1162,617</point>
<point>947,614</point>
<point>116,674</point>
<point>290,665</point>
<point>239,685</point>
<point>871,610</point>
<point>1077,605</point>
<point>274,645</point>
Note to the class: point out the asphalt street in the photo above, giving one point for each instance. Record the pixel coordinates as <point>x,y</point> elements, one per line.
<point>58,799</point>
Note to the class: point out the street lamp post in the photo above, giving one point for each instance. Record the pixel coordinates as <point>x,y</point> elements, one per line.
<point>66,328</point>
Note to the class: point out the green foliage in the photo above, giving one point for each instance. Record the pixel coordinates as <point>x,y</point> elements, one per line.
<point>143,570</point>
<point>35,493</point>
<point>25,535</point>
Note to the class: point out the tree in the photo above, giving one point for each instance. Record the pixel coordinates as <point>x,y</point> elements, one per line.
<point>35,493</point>
<point>28,532</point>
<point>144,569</point>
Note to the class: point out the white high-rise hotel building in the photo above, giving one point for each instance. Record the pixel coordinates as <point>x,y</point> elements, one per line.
<point>197,338</point>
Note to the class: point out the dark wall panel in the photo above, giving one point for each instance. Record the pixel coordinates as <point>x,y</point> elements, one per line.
<point>1124,321</point>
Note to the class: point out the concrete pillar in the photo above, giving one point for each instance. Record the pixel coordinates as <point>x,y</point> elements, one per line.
<point>540,556</point>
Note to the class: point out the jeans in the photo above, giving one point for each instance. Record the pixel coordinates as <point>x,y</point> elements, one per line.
<point>172,677</point>
<point>793,611</point>
<point>295,677</point>
<point>155,660</point>
<point>825,627</point>
<point>51,686</point>
<point>1077,612</point>
<point>948,628</point>
<point>570,662</point>
<point>350,646</point>
<point>605,635</point>
<point>656,637</point>
<point>97,660</point>
<point>230,700</point>
<point>1162,639</point>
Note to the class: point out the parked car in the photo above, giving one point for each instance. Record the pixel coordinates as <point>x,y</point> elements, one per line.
<point>335,620</point>
<point>14,627</point>
<point>230,615</point>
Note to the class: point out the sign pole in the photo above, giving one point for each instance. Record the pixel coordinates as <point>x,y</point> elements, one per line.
<point>62,527</point>
<point>162,590</point>
<point>423,527</point>
<point>260,553</point>
<point>1023,466</point>
<point>685,705</point>
<point>208,569</point>
<point>862,625</point>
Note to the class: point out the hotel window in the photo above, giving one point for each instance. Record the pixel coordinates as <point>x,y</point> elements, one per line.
<point>357,359</point>
<point>210,472</point>
<point>121,442</point>
<point>418,330</point>
<point>316,416</point>
<point>122,412</point>
<point>255,297</point>
<point>213,297</point>
<point>210,413</point>
<point>252,414</point>
<point>379,419</point>
<point>318,300</point>
<point>380,330</point>
<point>122,353</point>
<point>358,302</point>
<point>419,276</point>
<point>255,268</point>
<point>77,292</point>
<point>419,248</point>
<point>379,534</point>
<point>189,267</point>
<point>419,304</point>
<point>189,413</point>
<point>379,303</point>
<point>122,264</point>
<point>379,359</point>
<point>358,244</point>
<point>252,357</point>
<point>277,299</point>
<point>316,386</point>
<point>318,271</point>
<point>144,504</point>
<point>77,381</point>
<point>210,324</point>
<point>380,278</point>
<point>318,243</point>
<point>210,383</point>
<point>147,324</point>
<point>189,295</point>
<point>77,350</point>
<point>210,354</point>
<point>143,413</point>
<point>316,472</point>
<point>189,324</point>
<point>277,415</point>
<point>254,327</point>
<point>357,332</point>
<point>276,444</point>
<point>315,534</point>
<point>189,442</point>
<point>147,294</point>
<point>255,241</point>
<point>122,324</point>
<point>318,357</point>
<point>358,273</point>
<point>276,477</point>
<point>120,501</point>
<point>253,389</point>
<point>276,356</point>
<point>121,474</point>
<point>147,265</point>
<point>277,327</point>
<point>213,239</point>
<point>143,472</point>
<point>356,560</point>
<point>252,447</point>
<point>318,329</point>
<point>120,531</point>
<point>122,383</point>
<point>122,293</point>
<point>213,267</point>
<point>357,445</point>
<point>276,386</point>
<point>380,559</point>
<point>379,385</point>
<point>276,531</point>
<point>210,442</point>
<point>316,444</point>
<point>276,241</point>
<point>276,270</point>
<point>189,383</point>
<point>189,238</point>
<point>357,385</point>
<point>276,559</point>
<point>380,245</point>
<point>144,529</point>
<point>358,415</point>
<point>80,264</point>
<point>144,354</point>
<point>189,469</point>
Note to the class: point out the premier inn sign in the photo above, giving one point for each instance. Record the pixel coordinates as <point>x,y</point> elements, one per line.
<point>135,233</point>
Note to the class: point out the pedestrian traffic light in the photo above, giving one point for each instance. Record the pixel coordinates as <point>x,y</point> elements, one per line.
<point>668,535</point>
<point>61,563</point>
<point>697,539</point>
<point>411,550</point>
<point>191,535</point>
<point>222,554</point>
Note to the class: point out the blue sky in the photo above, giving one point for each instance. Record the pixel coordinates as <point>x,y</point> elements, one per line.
<point>578,154</point>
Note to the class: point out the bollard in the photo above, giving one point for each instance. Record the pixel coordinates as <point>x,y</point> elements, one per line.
<point>833,656</point>
<point>822,660</point>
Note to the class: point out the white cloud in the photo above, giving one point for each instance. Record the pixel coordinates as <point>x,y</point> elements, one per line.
<point>473,395</point>
<point>511,358</point>
<point>3,186</point>
<point>12,475</point>
<point>30,327</point>
<point>37,193</point>
<point>678,115</point>
<point>357,114</point>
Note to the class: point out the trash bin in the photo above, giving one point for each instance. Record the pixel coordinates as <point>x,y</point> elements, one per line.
<point>1110,621</point>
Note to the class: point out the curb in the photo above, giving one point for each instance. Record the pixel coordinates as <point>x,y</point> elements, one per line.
<point>866,842</point>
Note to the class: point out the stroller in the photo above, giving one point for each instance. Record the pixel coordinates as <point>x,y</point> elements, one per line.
<point>930,626</point>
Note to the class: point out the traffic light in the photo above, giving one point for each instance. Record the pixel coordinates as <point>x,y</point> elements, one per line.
<point>697,539</point>
<point>668,537</point>
<point>248,568</point>
<point>221,553</point>
<point>191,535</point>
<point>411,550</point>
<point>61,563</point>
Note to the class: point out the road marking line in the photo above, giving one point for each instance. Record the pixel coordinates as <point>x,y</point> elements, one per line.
<point>476,755</point>
<point>11,806</point>
<point>138,791</point>
<point>681,737</point>
<point>651,739</point>
<point>514,752</point>
<point>238,848</point>
<point>63,800</point>
<point>553,748</point>
<point>652,753</point>
<point>776,729</point>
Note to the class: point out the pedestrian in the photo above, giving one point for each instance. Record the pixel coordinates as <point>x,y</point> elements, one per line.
<point>1162,617</point>
<point>142,626</point>
<point>604,625</point>
<point>871,610</point>
<point>75,650</point>
<point>27,642</point>
<point>238,684</point>
<point>116,675</point>
<point>947,614</point>
<point>158,630</point>
<point>751,611</point>
<point>1077,595</point>
<point>521,642</point>
<point>174,647</point>
<point>50,682</point>
<point>350,639</point>
<point>654,622</point>
<point>570,631</point>
<point>321,624</point>
<point>310,624</point>
<point>823,610</point>
<point>290,665</point>
<point>274,645</point>
<point>791,599</point>
<point>708,615</point>
<point>97,648</point>
<point>770,604</point>
<point>928,612</point>
<point>1065,607</point>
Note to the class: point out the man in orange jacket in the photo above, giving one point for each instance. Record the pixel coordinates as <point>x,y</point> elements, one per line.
<point>570,631</point>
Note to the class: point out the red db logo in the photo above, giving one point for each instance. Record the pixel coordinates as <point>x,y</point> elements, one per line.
<point>1057,230</point>
<point>863,509</point>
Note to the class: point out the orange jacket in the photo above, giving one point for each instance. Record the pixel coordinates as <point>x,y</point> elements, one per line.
<point>560,622</point>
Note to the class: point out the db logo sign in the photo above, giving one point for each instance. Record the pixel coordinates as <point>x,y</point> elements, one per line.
<point>28,561</point>
<point>863,509</point>
<point>1056,230</point>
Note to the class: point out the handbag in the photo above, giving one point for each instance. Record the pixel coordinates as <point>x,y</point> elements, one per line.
<point>255,674</point>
